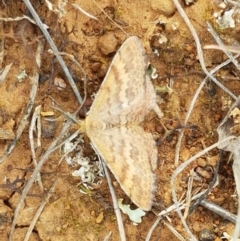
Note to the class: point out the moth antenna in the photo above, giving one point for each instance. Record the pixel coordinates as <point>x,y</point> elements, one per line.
<point>70,116</point>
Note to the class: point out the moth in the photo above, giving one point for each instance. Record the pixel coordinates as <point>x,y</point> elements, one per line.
<point>113,123</point>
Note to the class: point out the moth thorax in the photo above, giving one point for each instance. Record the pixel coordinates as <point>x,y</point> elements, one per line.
<point>82,126</point>
<point>95,124</point>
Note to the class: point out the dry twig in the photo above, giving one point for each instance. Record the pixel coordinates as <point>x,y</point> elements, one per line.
<point>84,12</point>
<point>221,45</point>
<point>114,199</point>
<point>54,48</point>
<point>24,120</point>
<point>180,169</point>
<point>34,176</point>
<point>39,211</point>
<point>117,25</point>
<point>35,117</point>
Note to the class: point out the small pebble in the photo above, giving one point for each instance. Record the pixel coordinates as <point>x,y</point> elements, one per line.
<point>201,162</point>
<point>203,173</point>
<point>60,83</point>
<point>107,43</point>
<point>166,7</point>
<point>206,235</point>
<point>96,66</point>
<point>48,128</point>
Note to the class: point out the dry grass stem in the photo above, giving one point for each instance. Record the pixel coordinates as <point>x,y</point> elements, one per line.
<point>174,231</point>
<point>117,25</point>
<point>219,211</point>
<point>71,57</point>
<point>4,71</point>
<point>189,194</point>
<point>35,119</point>
<point>21,18</point>
<point>107,238</point>
<point>233,49</point>
<point>180,169</point>
<point>114,199</point>
<point>24,120</point>
<point>39,211</point>
<point>54,48</point>
<point>34,175</point>
<point>221,45</point>
<point>173,208</point>
<point>236,3</point>
<point>190,108</point>
<point>236,173</point>
<point>83,11</point>
<point>199,49</point>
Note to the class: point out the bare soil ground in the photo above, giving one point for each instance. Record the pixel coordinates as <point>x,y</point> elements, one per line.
<point>70,214</point>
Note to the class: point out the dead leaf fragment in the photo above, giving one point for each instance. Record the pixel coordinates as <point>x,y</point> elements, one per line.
<point>99,217</point>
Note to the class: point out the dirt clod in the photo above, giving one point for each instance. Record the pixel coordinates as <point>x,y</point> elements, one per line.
<point>108,43</point>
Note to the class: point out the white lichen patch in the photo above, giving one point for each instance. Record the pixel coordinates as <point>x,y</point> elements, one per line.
<point>226,20</point>
<point>134,215</point>
<point>88,169</point>
<point>22,76</point>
